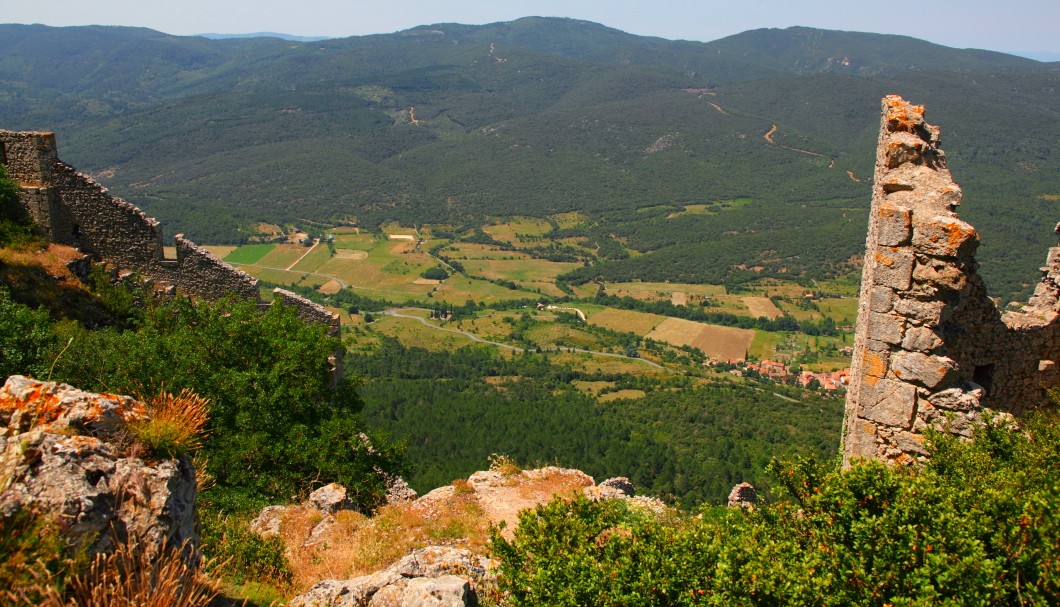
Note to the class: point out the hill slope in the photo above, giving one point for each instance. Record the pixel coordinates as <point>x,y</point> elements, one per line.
<point>451,123</point>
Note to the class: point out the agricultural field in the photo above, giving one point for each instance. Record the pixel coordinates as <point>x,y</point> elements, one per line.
<point>529,273</point>
<point>458,289</point>
<point>762,306</point>
<point>569,220</point>
<point>844,311</point>
<point>639,323</point>
<point>661,290</point>
<point>413,334</point>
<point>514,230</point>
<point>251,253</point>
<point>717,342</point>
<point>799,312</point>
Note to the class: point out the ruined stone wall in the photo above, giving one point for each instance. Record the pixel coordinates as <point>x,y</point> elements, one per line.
<point>73,209</point>
<point>309,311</point>
<point>932,349</point>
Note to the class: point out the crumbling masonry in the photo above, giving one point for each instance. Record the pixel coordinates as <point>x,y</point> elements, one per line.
<point>73,209</point>
<point>931,348</point>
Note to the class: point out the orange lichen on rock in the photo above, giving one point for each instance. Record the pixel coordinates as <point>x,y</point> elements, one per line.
<point>902,115</point>
<point>27,403</point>
<point>874,367</point>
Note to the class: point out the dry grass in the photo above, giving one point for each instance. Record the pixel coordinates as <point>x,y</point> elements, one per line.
<point>176,424</point>
<point>131,576</point>
<point>504,464</point>
<point>136,576</point>
<point>357,545</point>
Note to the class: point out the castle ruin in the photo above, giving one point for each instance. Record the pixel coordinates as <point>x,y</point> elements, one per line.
<point>932,349</point>
<point>72,209</point>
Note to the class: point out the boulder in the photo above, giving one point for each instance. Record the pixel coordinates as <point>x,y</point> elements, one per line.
<point>67,452</point>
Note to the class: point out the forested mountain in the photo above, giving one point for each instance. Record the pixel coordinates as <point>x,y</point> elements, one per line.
<point>453,123</point>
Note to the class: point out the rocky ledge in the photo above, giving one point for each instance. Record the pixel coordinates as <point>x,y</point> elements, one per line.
<point>68,454</point>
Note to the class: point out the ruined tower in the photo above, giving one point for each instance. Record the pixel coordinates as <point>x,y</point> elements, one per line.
<point>931,348</point>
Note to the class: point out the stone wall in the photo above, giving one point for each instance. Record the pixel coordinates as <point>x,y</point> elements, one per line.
<point>73,209</point>
<point>932,349</point>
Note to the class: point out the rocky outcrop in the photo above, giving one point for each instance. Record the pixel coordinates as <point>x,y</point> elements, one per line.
<point>434,576</point>
<point>66,453</point>
<point>932,349</point>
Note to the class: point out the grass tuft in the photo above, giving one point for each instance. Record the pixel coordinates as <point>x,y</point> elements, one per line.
<point>176,425</point>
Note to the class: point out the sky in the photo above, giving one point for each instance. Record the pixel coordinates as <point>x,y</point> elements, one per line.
<point>1019,26</point>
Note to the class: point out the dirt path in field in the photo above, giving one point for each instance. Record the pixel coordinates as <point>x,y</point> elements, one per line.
<point>295,262</point>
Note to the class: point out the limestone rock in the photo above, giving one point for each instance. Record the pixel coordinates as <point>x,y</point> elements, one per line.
<point>398,491</point>
<point>65,452</point>
<point>267,523</point>
<point>329,498</point>
<point>434,576</point>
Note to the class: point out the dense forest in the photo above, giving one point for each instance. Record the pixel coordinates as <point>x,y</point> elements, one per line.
<point>681,441</point>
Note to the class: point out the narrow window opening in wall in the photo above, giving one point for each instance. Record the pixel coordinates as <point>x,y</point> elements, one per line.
<point>77,231</point>
<point>3,154</point>
<point>984,376</point>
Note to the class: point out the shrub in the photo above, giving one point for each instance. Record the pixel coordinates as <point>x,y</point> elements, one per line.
<point>240,555</point>
<point>977,525</point>
<point>26,339</point>
<point>277,423</point>
<point>434,274</point>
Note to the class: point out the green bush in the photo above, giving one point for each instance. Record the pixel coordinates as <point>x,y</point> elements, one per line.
<point>978,525</point>
<point>276,424</point>
<point>26,339</point>
<point>240,555</point>
<point>16,229</point>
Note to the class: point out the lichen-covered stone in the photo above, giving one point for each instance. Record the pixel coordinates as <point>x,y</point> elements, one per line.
<point>65,453</point>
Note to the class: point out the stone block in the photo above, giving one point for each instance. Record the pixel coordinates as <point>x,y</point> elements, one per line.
<point>887,328</point>
<point>910,443</point>
<point>924,369</point>
<point>874,366</point>
<point>894,268</point>
<point>861,441</point>
<point>920,312</point>
<point>881,299</point>
<point>944,236</point>
<point>902,147</point>
<point>941,274</point>
<point>895,225</point>
<point>964,399</point>
<point>889,402</point>
<point>921,339</point>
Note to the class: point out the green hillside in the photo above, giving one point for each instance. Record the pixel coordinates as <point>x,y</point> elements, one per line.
<point>453,124</point>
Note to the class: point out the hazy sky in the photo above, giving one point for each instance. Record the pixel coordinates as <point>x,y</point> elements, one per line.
<point>1009,25</point>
